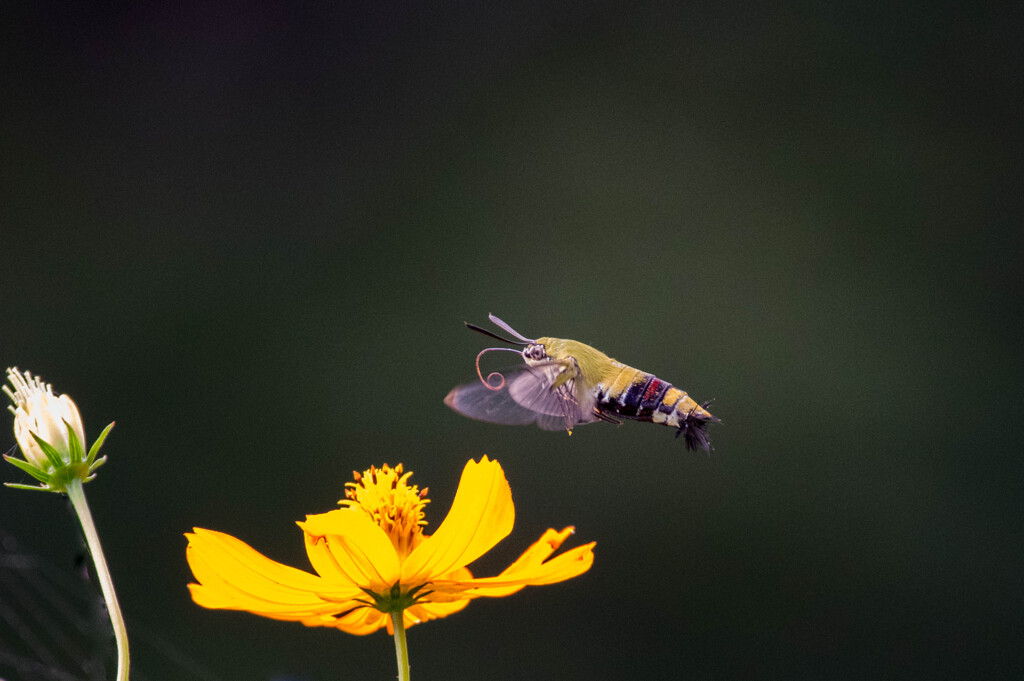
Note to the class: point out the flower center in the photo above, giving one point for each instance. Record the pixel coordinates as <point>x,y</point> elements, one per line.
<point>396,506</point>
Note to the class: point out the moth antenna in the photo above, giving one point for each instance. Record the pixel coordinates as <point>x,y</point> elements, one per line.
<point>493,335</point>
<point>487,381</point>
<point>510,329</point>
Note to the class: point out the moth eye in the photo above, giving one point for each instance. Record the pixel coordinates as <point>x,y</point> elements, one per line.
<point>536,352</point>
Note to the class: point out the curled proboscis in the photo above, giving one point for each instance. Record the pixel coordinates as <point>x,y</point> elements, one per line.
<point>489,381</point>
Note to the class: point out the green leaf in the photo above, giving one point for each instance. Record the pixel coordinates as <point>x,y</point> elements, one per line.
<point>40,475</point>
<point>95,449</point>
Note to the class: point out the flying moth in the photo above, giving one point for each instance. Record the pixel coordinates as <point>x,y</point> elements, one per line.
<point>563,383</point>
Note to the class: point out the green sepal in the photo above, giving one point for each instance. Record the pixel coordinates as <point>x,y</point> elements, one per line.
<point>77,451</point>
<point>95,449</point>
<point>62,477</point>
<point>30,488</point>
<point>94,465</point>
<point>40,475</point>
<point>393,601</point>
<point>52,454</point>
<point>414,592</point>
<point>420,595</point>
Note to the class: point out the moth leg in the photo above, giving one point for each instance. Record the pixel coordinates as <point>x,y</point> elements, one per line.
<point>570,405</point>
<point>569,371</point>
<point>606,418</point>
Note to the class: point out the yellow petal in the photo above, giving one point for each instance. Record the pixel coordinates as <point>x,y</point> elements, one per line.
<point>430,595</point>
<point>481,516</point>
<point>539,551</point>
<point>345,545</point>
<point>425,612</point>
<point>530,569</point>
<point>359,622</point>
<point>233,575</point>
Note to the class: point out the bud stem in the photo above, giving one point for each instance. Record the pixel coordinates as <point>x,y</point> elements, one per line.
<point>76,493</point>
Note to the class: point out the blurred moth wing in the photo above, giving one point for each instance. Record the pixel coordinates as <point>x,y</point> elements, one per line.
<point>526,395</point>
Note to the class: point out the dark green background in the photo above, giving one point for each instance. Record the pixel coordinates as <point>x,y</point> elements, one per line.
<point>250,234</point>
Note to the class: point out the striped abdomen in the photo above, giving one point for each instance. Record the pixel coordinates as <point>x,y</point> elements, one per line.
<point>638,395</point>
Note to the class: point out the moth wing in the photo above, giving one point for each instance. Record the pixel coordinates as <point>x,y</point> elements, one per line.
<point>478,402</point>
<point>532,387</point>
<point>526,396</point>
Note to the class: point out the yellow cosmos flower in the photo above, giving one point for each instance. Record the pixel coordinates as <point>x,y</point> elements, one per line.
<point>372,558</point>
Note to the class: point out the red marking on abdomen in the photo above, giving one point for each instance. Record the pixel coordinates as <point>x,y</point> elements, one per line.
<point>651,389</point>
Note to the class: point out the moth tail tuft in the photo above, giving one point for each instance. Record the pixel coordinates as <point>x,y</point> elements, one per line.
<point>693,428</point>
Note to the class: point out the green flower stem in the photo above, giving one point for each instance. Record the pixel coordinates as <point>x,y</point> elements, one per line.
<point>77,495</point>
<point>401,649</point>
